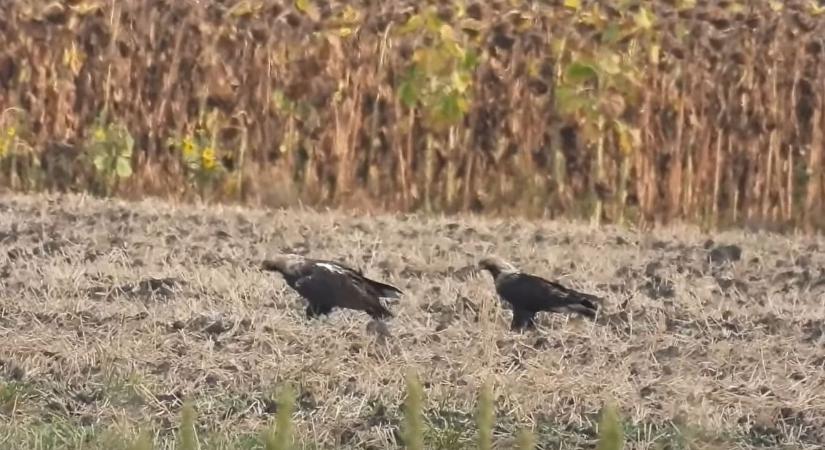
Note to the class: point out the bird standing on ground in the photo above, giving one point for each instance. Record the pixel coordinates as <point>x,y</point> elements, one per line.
<point>529,294</point>
<point>328,284</point>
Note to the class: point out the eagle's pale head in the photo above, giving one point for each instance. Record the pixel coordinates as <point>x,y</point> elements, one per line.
<point>496,266</point>
<point>284,263</point>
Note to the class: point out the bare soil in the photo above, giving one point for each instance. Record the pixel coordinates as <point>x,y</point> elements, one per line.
<point>113,313</point>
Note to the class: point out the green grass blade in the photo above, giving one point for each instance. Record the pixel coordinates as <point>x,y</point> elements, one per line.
<point>413,431</point>
<point>281,437</point>
<point>486,416</point>
<point>526,440</point>
<point>188,437</point>
<point>142,442</point>
<point>611,435</point>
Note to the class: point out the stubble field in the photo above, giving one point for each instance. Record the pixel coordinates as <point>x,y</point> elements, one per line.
<point>113,313</point>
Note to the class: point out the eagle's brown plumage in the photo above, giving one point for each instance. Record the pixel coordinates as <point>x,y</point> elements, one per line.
<point>328,284</point>
<point>529,294</point>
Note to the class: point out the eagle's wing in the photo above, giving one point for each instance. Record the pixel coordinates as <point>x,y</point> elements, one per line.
<point>571,300</point>
<point>533,293</point>
<point>376,288</point>
<point>565,294</point>
<point>329,284</point>
<point>382,290</point>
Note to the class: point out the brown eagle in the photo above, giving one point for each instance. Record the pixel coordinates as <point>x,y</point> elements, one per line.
<point>529,294</point>
<point>328,284</point>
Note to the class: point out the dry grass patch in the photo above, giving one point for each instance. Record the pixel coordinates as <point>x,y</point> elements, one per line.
<point>113,314</point>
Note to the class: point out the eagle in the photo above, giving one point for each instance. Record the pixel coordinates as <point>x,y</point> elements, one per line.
<point>529,294</point>
<point>329,284</point>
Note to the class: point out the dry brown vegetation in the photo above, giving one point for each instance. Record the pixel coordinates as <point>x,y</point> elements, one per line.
<point>695,340</point>
<point>710,111</point>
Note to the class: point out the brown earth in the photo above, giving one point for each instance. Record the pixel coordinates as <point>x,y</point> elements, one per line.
<point>112,313</point>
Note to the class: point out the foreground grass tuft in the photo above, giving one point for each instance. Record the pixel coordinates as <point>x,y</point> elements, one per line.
<point>188,435</point>
<point>281,437</point>
<point>526,440</point>
<point>486,416</point>
<point>413,432</point>
<point>611,436</point>
<point>142,442</point>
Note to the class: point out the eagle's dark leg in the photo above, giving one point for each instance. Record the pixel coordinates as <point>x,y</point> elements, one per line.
<point>378,312</point>
<point>310,312</point>
<point>315,310</point>
<point>523,320</point>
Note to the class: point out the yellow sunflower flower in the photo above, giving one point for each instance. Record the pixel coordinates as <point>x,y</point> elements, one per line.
<point>188,147</point>
<point>208,161</point>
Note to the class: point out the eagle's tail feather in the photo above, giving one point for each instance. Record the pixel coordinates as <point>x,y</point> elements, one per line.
<point>385,290</point>
<point>585,304</point>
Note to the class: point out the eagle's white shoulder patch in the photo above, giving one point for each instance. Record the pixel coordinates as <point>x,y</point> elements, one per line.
<point>331,267</point>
